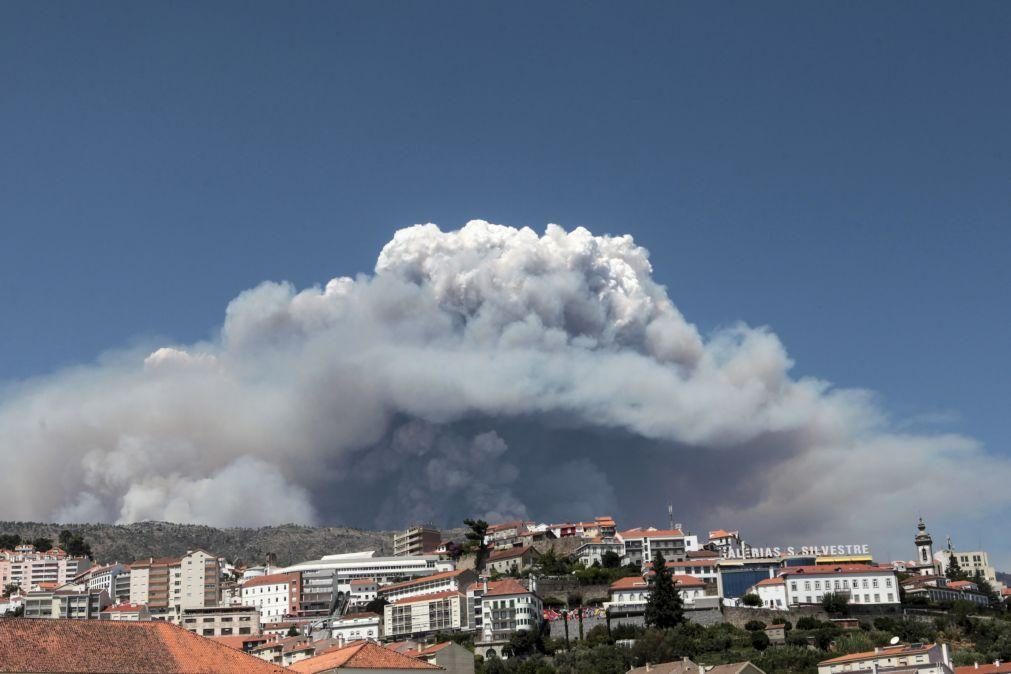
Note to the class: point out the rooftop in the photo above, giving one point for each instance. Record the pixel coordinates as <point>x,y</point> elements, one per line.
<point>360,655</point>
<point>113,647</point>
<point>883,652</point>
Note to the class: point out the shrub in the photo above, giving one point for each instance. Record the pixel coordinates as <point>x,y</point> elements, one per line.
<point>754,626</point>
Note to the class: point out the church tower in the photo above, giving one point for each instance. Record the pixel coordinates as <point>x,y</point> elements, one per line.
<point>924,550</point>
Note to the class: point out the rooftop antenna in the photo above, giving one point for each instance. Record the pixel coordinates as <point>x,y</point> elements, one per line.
<point>894,641</point>
<point>670,515</point>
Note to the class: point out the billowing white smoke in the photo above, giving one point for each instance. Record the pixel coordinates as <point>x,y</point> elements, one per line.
<point>486,371</point>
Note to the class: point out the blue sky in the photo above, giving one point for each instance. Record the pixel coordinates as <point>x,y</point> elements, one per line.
<point>840,172</point>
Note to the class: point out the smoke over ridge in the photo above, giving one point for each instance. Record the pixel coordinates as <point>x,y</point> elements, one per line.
<point>487,371</point>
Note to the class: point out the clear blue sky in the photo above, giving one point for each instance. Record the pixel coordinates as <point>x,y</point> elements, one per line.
<point>838,171</point>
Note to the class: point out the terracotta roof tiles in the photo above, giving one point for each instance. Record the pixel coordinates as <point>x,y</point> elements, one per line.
<point>113,647</point>
<point>360,655</point>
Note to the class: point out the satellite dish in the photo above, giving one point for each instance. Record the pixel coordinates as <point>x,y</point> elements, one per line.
<point>894,641</point>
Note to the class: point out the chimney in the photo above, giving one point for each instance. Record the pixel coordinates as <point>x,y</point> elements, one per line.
<point>649,668</point>
<point>975,665</point>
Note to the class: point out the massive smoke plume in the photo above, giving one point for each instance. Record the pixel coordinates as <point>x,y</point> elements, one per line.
<point>487,371</point>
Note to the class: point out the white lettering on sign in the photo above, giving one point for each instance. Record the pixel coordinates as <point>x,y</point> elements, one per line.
<point>759,552</point>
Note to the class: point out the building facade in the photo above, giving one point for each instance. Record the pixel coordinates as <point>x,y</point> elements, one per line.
<point>275,596</point>
<point>420,539</point>
<point>221,621</point>
<point>425,615</point>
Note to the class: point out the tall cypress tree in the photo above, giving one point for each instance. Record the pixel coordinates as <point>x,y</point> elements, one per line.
<point>664,608</point>
<point>955,571</point>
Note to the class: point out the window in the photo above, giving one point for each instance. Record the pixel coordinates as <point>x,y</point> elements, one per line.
<point>208,632</point>
<point>226,631</point>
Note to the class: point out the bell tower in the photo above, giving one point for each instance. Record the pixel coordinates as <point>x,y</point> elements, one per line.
<point>924,549</point>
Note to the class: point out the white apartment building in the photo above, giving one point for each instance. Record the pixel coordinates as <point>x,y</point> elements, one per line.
<point>274,596</point>
<point>592,550</point>
<point>640,546</point>
<point>972,562</point>
<point>363,591</point>
<point>632,593</point>
<point>500,608</point>
<point>447,581</point>
<point>425,615</point>
<point>356,626</point>
<point>915,658</point>
<point>863,584</point>
<point>102,578</point>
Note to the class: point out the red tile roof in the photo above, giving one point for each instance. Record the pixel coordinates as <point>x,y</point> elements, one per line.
<point>272,579</point>
<point>124,608</point>
<point>423,579</point>
<point>497,588</point>
<point>635,582</point>
<point>989,668</point>
<point>357,616</point>
<point>360,655</point>
<point>652,533</point>
<point>113,647</point>
<point>721,533</point>
<point>630,583</point>
<point>832,569</point>
<point>883,652</point>
<point>498,555</point>
<point>428,597</point>
<point>704,561</point>
<point>770,581</point>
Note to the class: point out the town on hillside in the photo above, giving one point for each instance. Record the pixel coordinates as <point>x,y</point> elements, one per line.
<point>517,596</point>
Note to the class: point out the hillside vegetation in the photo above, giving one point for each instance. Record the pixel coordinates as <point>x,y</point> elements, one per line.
<point>288,542</point>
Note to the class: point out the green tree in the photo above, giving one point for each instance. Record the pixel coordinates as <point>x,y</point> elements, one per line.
<point>10,588</point>
<point>74,544</point>
<point>835,602</point>
<point>751,599</point>
<point>754,626</point>
<point>43,544</point>
<point>476,541</point>
<point>9,541</point>
<point>664,608</point>
<point>955,571</point>
<point>759,641</point>
<point>293,631</point>
<point>610,560</point>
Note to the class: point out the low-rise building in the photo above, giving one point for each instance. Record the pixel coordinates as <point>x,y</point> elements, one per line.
<point>354,626</point>
<point>73,602</point>
<point>861,584</point>
<point>593,549</point>
<point>640,546</point>
<point>125,613</point>
<point>913,658</point>
<point>425,615</point>
<point>222,621</point>
<point>363,656</point>
<point>631,594</point>
<point>507,534</point>
<point>452,657</point>
<point>362,591</point>
<point>939,589</point>
<point>274,596</point>
<point>995,667</point>
<point>448,581</point>
<point>511,560</point>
